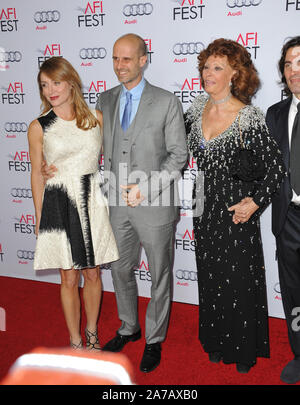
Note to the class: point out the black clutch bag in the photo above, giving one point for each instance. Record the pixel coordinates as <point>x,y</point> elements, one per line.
<point>246,165</point>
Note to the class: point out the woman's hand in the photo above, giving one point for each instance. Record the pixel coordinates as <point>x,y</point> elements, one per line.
<point>243,210</point>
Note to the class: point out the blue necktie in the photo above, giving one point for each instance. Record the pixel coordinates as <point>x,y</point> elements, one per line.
<point>127,111</point>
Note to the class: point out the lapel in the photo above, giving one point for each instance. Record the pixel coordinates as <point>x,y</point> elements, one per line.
<point>283,131</point>
<point>142,114</point>
<point>113,108</point>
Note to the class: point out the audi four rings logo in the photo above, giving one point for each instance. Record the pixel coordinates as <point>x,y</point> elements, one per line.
<point>92,53</point>
<point>21,192</point>
<point>15,127</point>
<point>25,254</point>
<point>186,275</point>
<point>188,48</point>
<point>243,3</point>
<point>10,56</point>
<point>46,16</point>
<point>137,9</point>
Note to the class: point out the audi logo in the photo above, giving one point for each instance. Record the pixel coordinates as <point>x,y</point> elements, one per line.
<point>10,56</point>
<point>137,9</point>
<point>92,53</point>
<point>25,254</point>
<point>188,48</point>
<point>243,3</point>
<point>46,16</point>
<point>186,275</point>
<point>15,127</point>
<point>21,192</point>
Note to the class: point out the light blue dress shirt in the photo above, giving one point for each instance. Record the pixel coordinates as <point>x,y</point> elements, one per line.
<point>136,96</point>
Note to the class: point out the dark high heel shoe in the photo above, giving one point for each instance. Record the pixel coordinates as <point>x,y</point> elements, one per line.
<point>75,346</point>
<point>215,357</point>
<point>89,344</point>
<point>243,368</point>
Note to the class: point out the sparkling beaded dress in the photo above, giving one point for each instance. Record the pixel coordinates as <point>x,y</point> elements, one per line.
<point>231,275</point>
<point>74,230</point>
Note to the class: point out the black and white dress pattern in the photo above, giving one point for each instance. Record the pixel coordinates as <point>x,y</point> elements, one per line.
<point>74,231</point>
<point>231,275</point>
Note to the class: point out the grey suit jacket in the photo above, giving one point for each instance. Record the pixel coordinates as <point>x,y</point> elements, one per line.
<point>158,149</point>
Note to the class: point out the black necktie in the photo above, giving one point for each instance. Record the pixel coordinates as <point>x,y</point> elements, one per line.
<point>295,154</point>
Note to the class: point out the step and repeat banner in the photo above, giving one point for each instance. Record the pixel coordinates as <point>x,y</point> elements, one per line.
<point>84,32</point>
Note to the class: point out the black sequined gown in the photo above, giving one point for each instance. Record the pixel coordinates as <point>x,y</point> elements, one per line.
<point>231,275</point>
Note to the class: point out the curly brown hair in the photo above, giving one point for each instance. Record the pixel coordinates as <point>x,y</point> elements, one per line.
<point>245,83</point>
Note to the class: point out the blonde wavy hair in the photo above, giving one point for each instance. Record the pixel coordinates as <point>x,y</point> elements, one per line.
<point>59,69</point>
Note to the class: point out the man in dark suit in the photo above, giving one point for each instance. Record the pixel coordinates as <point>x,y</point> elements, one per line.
<point>283,120</point>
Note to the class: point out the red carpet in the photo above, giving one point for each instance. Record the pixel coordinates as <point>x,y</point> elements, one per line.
<point>34,318</point>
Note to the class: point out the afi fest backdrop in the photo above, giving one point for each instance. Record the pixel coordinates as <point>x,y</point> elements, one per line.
<point>84,32</point>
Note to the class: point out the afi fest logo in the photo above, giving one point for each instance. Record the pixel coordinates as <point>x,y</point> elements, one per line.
<point>8,20</point>
<point>292,4</point>
<point>49,51</point>
<point>19,162</point>
<point>188,10</point>
<point>150,52</point>
<point>25,224</point>
<point>93,91</point>
<point>189,90</point>
<point>133,11</point>
<point>142,271</point>
<point>250,41</point>
<point>92,15</point>
<point>14,94</point>
<point>185,241</point>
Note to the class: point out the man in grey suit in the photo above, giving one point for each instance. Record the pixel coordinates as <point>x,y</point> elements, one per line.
<point>144,152</point>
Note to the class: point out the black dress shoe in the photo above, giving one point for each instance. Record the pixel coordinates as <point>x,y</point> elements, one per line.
<point>119,341</point>
<point>291,372</point>
<point>151,357</point>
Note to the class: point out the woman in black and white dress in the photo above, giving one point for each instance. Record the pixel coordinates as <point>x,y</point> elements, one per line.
<point>72,223</point>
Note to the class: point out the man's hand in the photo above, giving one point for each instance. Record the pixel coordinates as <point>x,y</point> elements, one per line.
<point>48,171</point>
<point>243,210</point>
<point>132,195</point>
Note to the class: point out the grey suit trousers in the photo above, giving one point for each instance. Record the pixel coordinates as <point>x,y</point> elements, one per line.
<point>158,242</point>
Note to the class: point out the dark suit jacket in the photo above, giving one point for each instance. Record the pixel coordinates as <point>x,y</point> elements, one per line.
<point>277,122</point>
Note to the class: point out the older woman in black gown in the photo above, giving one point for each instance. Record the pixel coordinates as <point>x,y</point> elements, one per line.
<point>231,275</point>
